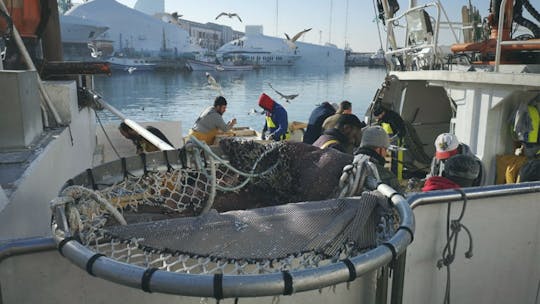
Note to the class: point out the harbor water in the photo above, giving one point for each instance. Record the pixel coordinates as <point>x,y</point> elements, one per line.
<point>181,96</point>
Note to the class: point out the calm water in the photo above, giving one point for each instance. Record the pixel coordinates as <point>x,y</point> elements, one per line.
<point>165,96</point>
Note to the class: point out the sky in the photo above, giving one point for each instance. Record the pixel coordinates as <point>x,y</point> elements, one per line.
<point>330,20</point>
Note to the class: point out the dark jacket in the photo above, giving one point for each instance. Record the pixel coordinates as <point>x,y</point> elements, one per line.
<point>316,119</point>
<point>386,176</point>
<point>396,123</point>
<point>145,146</point>
<point>332,138</point>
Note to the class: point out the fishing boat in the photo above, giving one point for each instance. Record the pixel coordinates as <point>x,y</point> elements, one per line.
<point>82,255</point>
<point>130,64</point>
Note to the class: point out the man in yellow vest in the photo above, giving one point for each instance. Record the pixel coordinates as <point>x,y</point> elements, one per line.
<point>210,122</point>
<point>276,124</point>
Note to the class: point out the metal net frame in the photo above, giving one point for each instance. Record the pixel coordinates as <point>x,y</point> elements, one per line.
<point>167,185</point>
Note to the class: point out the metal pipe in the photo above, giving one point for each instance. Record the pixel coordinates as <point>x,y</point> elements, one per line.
<point>25,246</point>
<point>31,67</point>
<point>525,42</point>
<point>156,141</point>
<point>499,35</point>
<point>446,196</point>
<point>398,279</point>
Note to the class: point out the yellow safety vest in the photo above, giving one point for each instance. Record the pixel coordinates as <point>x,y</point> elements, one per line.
<point>270,124</point>
<point>328,143</point>
<point>386,127</point>
<point>535,119</point>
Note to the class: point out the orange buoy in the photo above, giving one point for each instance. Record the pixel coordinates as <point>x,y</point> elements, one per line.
<point>26,15</point>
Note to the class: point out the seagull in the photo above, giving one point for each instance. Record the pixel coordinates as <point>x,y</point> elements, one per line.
<point>291,42</point>
<point>95,53</point>
<point>254,111</point>
<point>230,15</point>
<point>287,98</point>
<point>213,83</point>
<point>131,69</point>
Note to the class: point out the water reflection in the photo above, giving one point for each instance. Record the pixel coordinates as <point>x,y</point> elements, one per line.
<point>153,96</point>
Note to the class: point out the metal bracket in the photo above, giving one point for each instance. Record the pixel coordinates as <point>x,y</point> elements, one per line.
<point>3,49</point>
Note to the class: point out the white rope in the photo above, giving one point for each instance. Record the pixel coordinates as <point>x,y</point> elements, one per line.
<point>354,175</point>
<point>77,191</point>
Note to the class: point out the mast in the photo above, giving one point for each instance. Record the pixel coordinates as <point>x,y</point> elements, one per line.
<point>330,27</point>
<point>277,20</point>
<point>378,27</point>
<point>346,21</point>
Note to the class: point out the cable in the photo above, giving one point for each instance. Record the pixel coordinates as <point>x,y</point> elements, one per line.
<point>453,227</point>
<point>107,136</point>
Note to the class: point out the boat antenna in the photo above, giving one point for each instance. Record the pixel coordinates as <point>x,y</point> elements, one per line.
<point>346,20</point>
<point>277,14</point>
<point>330,27</point>
<point>377,21</point>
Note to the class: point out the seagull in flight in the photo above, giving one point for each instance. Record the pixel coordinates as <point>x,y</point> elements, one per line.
<point>95,53</point>
<point>254,111</point>
<point>213,83</point>
<point>287,98</point>
<point>230,15</point>
<point>291,42</point>
<point>131,69</point>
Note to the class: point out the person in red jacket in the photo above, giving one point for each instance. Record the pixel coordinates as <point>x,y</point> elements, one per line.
<point>459,171</point>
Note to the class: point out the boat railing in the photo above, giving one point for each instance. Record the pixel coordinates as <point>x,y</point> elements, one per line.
<point>156,141</point>
<point>500,41</point>
<point>431,46</point>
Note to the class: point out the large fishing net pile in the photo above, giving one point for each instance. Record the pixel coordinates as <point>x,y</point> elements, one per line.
<point>144,216</point>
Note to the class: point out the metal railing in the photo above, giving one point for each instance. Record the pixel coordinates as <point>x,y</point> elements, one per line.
<point>432,46</point>
<point>156,141</point>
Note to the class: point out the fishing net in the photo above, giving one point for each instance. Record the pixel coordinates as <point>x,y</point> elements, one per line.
<point>154,211</point>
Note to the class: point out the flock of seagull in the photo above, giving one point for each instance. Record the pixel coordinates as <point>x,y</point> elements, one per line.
<point>211,80</point>
<point>213,84</point>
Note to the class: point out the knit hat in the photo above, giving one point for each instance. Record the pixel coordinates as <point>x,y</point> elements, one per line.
<point>350,120</point>
<point>446,145</point>
<point>266,102</point>
<point>463,167</point>
<point>374,136</point>
<point>378,109</point>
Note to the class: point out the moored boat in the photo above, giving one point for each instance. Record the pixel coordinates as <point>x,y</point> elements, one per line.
<point>130,64</point>
<point>198,65</point>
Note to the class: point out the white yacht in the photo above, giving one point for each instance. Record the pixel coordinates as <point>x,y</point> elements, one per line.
<point>257,50</point>
<point>134,32</point>
<point>80,30</point>
<point>261,50</point>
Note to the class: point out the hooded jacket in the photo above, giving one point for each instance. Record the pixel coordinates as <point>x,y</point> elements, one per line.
<point>316,119</point>
<point>276,117</point>
<point>439,183</point>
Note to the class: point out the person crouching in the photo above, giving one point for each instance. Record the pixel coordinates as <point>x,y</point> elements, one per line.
<point>460,170</point>
<point>344,136</point>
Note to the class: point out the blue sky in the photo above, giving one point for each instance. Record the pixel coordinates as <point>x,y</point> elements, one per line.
<point>296,15</point>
